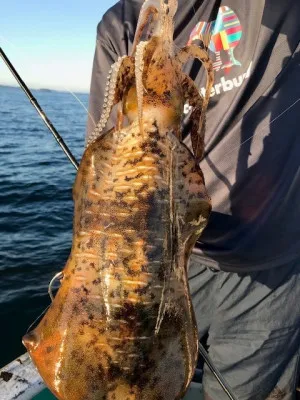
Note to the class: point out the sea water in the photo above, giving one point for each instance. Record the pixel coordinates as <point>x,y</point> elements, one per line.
<point>36,207</point>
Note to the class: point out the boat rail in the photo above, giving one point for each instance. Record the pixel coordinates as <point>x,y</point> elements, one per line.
<point>19,380</point>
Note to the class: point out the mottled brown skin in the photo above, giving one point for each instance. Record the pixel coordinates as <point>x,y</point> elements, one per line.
<point>122,322</point>
<point>122,326</point>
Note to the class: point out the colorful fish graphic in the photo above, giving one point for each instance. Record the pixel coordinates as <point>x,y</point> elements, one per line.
<point>226,33</point>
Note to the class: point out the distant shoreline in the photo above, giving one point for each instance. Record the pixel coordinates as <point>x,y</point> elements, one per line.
<point>43,89</point>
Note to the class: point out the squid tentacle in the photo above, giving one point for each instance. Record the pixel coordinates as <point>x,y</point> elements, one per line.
<point>190,91</point>
<point>195,99</point>
<point>139,69</point>
<point>149,7</point>
<point>182,57</point>
<point>110,98</point>
<point>158,9</point>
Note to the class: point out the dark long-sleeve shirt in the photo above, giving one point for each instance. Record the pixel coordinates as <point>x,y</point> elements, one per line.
<point>252,143</point>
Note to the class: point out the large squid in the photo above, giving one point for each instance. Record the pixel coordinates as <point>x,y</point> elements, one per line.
<point>122,326</point>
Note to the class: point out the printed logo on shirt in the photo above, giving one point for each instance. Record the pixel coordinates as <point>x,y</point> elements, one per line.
<point>224,85</point>
<point>226,33</point>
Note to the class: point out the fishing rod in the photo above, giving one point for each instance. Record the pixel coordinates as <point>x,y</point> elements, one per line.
<point>39,109</point>
<point>217,374</point>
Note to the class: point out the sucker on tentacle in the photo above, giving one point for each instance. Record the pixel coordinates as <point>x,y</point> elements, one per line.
<point>139,69</point>
<point>111,95</point>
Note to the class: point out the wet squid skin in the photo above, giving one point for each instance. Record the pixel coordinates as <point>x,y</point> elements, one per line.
<point>122,324</point>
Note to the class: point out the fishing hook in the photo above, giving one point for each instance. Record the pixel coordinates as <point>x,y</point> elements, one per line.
<point>59,275</point>
<point>56,276</point>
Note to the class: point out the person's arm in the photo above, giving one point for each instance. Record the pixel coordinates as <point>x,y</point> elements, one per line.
<point>104,57</point>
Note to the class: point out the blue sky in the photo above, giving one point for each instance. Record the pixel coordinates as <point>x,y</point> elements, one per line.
<point>50,43</point>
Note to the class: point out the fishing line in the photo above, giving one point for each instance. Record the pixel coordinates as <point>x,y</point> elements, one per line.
<point>39,109</point>
<point>65,88</point>
<point>38,318</point>
<point>56,276</point>
<point>263,128</point>
<point>81,103</point>
<point>226,154</point>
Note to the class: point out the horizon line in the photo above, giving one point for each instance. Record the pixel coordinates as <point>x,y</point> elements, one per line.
<point>16,86</point>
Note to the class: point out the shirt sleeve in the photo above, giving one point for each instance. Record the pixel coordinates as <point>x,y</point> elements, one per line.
<point>104,57</point>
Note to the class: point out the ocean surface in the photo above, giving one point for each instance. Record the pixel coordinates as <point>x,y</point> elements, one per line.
<point>36,207</point>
